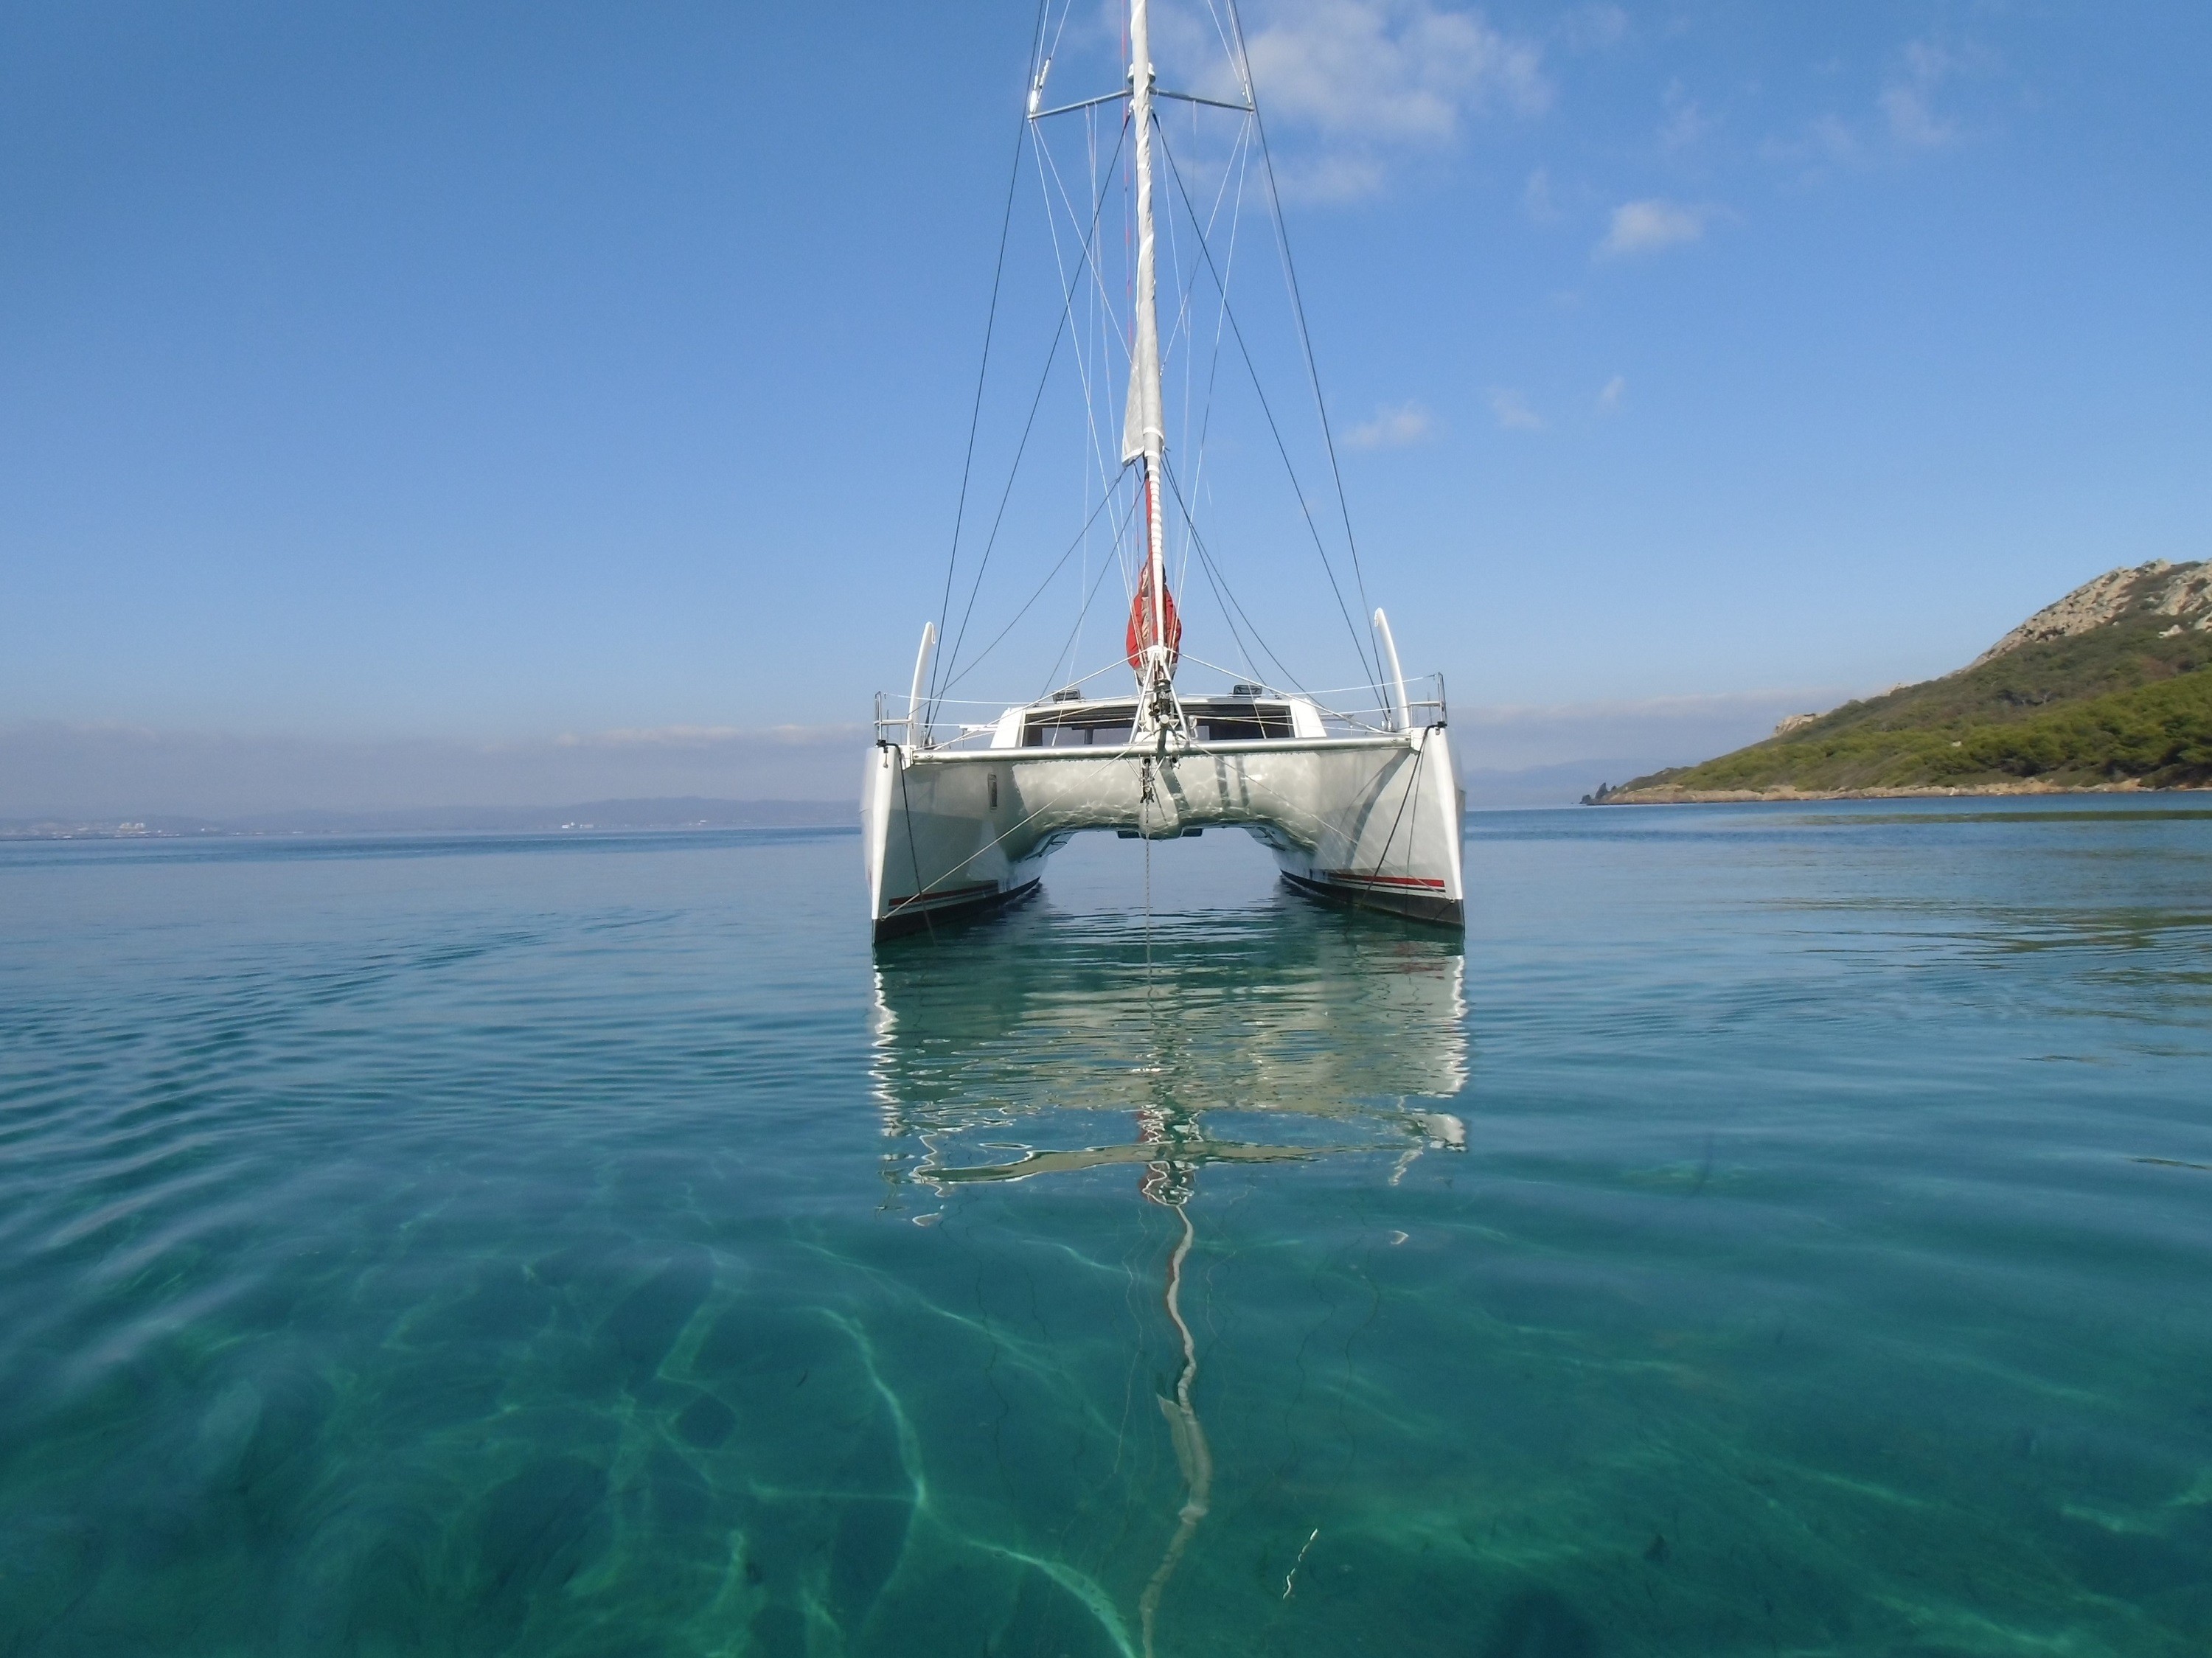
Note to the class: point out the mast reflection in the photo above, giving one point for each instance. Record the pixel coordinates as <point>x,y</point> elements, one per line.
<point>1054,1044</point>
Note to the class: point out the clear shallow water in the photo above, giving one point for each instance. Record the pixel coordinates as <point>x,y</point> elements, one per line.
<point>1778,1231</point>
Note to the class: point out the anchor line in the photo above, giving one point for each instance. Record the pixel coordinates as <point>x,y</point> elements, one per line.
<point>1148,920</point>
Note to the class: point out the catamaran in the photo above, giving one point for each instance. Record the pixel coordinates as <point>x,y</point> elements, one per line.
<point>1355,795</point>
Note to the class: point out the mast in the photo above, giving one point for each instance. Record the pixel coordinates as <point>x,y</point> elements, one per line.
<point>1144,436</point>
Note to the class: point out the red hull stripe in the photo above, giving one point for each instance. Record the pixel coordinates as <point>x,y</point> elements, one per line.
<point>1355,878</point>
<point>943,893</point>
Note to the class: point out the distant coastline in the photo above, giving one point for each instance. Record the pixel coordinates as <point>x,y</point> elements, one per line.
<point>672,816</point>
<point>1663,796</point>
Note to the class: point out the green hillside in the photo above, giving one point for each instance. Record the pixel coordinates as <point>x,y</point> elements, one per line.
<point>2122,693</point>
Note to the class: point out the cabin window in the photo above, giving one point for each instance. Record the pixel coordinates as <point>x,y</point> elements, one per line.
<point>1254,725</point>
<point>994,791</point>
<point>1049,734</point>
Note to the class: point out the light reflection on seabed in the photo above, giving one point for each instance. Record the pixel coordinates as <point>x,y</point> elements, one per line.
<point>998,1055</point>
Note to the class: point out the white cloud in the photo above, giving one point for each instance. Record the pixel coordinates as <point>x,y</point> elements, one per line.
<point>1646,227</point>
<point>1613,395</point>
<point>1391,429</point>
<point>1368,77</point>
<point>1908,101</point>
<point>1390,68</point>
<point>1513,411</point>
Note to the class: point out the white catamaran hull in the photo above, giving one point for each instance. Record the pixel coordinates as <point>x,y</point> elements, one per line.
<point>1370,821</point>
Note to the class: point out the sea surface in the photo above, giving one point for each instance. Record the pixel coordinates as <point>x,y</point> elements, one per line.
<point>1777,1230</point>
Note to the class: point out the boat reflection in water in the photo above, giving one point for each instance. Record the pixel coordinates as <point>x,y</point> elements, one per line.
<point>1054,1045</point>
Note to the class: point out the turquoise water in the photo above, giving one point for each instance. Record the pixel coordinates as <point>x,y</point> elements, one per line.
<point>1777,1231</point>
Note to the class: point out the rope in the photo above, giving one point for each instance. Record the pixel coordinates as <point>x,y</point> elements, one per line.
<point>1148,908</point>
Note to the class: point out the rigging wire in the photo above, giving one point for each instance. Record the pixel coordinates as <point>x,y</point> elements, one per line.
<point>1239,160</point>
<point>1222,589</point>
<point>1067,651</point>
<point>984,369</point>
<point>1186,325</point>
<point>1359,643</point>
<point>1059,333</point>
<point>1059,564</point>
<point>1099,311</point>
<point>947,671</point>
<point>1298,310</point>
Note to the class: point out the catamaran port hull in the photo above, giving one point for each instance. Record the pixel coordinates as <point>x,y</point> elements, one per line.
<point>1371,822</point>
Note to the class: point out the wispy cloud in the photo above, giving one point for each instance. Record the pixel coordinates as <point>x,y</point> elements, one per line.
<point>1907,101</point>
<point>1668,730</point>
<point>1905,119</point>
<point>1613,395</point>
<point>108,770</point>
<point>1334,176</point>
<point>1594,28</point>
<point>1513,411</point>
<point>1647,225</point>
<point>1536,196</point>
<point>1370,78</point>
<point>1391,429</point>
<point>1686,120</point>
<point>704,737</point>
<point>1826,140</point>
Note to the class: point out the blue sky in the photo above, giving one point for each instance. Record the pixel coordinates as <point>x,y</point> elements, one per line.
<point>485,373</point>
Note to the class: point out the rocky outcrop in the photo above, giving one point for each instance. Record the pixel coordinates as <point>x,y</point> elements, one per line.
<point>2181,591</point>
